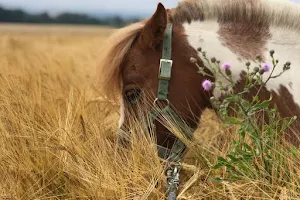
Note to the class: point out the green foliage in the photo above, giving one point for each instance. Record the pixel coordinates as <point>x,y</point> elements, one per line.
<point>257,153</point>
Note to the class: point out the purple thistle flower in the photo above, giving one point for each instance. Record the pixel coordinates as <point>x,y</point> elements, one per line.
<point>266,67</point>
<point>207,85</point>
<point>226,65</point>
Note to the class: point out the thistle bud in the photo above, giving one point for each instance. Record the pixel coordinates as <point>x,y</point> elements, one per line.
<point>272,52</point>
<point>213,60</point>
<point>199,49</point>
<point>213,85</point>
<point>288,63</point>
<point>248,64</point>
<point>284,67</point>
<point>228,72</point>
<point>261,71</point>
<point>256,69</point>
<point>193,60</point>
<point>258,58</point>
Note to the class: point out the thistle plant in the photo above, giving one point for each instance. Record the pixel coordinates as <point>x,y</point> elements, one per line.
<point>257,145</point>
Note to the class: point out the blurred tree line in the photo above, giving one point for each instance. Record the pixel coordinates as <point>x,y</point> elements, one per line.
<point>20,16</point>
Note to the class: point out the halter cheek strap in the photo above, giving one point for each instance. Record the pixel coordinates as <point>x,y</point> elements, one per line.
<point>165,67</point>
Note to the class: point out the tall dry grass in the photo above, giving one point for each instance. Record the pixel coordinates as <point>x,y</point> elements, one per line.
<point>57,135</point>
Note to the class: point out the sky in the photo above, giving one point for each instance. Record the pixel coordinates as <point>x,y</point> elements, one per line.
<point>99,7</point>
<point>133,7</point>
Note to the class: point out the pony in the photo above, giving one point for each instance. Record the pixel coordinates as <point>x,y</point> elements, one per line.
<point>234,31</point>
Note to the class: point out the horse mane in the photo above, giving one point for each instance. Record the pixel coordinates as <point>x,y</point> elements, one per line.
<point>271,12</point>
<point>115,50</point>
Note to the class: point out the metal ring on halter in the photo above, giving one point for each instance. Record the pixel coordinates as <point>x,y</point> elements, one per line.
<point>156,100</point>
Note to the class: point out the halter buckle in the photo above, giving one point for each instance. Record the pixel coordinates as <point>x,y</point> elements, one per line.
<point>165,68</point>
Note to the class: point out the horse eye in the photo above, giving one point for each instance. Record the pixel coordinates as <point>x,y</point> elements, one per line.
<point>133,95</point>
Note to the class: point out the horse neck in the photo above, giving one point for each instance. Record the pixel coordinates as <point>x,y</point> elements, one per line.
<point>228,44</point>
<point>237,44</point>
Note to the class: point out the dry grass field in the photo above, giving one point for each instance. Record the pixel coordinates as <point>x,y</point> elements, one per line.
<point>57,133</point>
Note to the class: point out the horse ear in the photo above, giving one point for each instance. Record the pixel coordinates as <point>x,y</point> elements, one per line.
<point>154,30</point>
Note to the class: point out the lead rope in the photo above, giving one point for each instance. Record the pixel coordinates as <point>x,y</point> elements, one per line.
<point>173,156</point>
<point>172,174</point>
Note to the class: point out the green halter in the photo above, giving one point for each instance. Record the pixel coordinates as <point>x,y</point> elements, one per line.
<point>173,155</point>
<point>165,69</point>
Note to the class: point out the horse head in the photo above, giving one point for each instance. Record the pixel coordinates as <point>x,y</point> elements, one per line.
<point>235,32</point>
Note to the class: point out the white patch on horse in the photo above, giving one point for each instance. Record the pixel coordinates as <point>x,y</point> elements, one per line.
<point>122,113</point>
<point>204,34</point>
<point>285,42</point>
